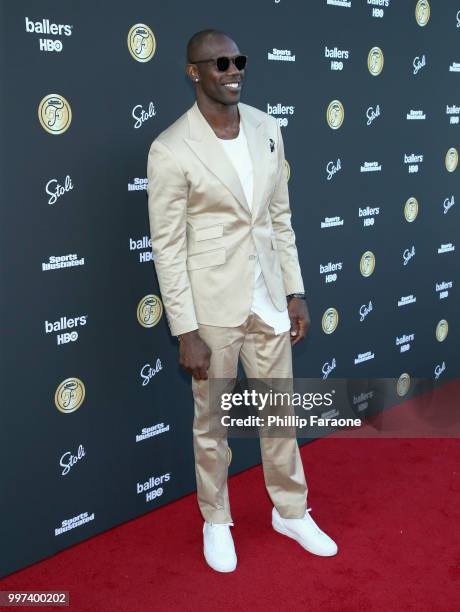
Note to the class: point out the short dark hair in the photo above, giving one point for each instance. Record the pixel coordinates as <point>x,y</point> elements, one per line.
<point>197,40</point>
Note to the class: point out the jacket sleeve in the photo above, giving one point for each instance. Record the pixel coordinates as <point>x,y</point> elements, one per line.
<point>280,214</point>
<point>167,202</point>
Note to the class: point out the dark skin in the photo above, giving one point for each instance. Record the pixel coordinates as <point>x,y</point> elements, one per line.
<point>219,104</point>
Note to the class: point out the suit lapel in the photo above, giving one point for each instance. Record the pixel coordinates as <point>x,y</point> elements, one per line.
<point>205,145</point>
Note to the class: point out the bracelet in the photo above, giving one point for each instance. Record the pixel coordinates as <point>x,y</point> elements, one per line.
<point>296,295</point>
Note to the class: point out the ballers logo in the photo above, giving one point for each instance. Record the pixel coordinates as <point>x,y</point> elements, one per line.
<point>335,114</point>
<point>330,320</point>
<point>288,169</point>
<point>403,384</point>
<point>141,42</point>
<point>367,263</point>
<point>375,61</point>
<point>55,114</point>
<point>442,329</point>
<point>149,310</point>
<point>411,209</point>
<point>422,12</point>
<point>69,395</point>
<point>451,159</point>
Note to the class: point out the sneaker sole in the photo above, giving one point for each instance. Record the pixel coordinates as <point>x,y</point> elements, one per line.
<point>216,569</point>
<point>289,535</point>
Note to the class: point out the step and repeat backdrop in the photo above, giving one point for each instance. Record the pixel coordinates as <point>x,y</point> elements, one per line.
<point>96,418</point>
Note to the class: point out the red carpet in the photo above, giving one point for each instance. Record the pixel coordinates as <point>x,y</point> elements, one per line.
<point>393,506</point>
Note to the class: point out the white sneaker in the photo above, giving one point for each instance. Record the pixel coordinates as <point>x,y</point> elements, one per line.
<point>218,547</point>
<point>306,532</point>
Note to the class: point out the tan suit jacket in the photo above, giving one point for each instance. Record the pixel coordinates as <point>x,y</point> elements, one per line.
<point>204,236</point>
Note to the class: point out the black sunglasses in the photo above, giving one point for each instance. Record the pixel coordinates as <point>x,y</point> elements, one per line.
<point>223,63</point>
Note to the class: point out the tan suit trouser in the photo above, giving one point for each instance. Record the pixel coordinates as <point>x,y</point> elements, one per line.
<point>263,355</point>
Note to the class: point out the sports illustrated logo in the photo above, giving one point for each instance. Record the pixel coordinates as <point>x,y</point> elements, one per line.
<point>418,63</point>
<point>415,115</point>
<point>332,168</point>
<point>68,460</point>
<point>141,42</point>
<point>55,190</point>
<point>412,162</point>
<point>454,67</point>
<point>451,159</point>
<point>150,432</point>
<point>406,299</point>
<point>279,109</point>
<point>442,289</point>
<point>422,12</point>
<point>74,522</point>
<point>448,203</point>
<point>375,61</point>
<point>439,369</point>
<point>372,114</point>
<point>281,55</point>
<point>404,342</point>
<point>62,324</point>
<point>403,384</point>
<point>367,356</point>
<point>141,116</point>
<point>62,261</point>
<point>149,310</point>
<point>370,167</point>
<point>149,487</point>
<point>344,3</point>
<point>367,263</point>
<point>51,29</point>
<point>368,214</point>
<point>408,254</point>
<point>336,56</point>
<point>453,113</point>
<point>328,368</point>
<point>330,321</point>
<point>331,222</point>
<point>379,7</point>
<point>148,371</point>
<point>335,114</point>
<point>446,248</point>
<point>330,271</point>
<point>287,168</point>
<point>442,329</point>
<point>144,245</point>
<point>54,114</point>
<point>411,209</point>
<point>138,184</point>
<point>364,310</point>
<point>69,395</point>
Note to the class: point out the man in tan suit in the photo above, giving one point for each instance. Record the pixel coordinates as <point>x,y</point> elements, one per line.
<point>230,280</point>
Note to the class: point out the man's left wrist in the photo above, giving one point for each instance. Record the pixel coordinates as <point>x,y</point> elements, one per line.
<point>299,295</point>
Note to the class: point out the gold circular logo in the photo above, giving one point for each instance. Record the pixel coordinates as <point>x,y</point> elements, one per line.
<point>149,310</point>
<point>288,169</point>
<point>69,395</point>
<point>330,320</point>
<point>367,263</point>
<point>442,329</point>
<point>403,384</point>
<point>335,114</point>
<point>451,159</point>
<point>375,61</point>
<point>141,42</point>
<point>422,12</point>
<point>229,455</point>
<point>54,113</point>
<point>411,209</point>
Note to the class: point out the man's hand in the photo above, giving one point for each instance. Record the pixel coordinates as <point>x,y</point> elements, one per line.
<point>194,355</point>
<point>300,319</point>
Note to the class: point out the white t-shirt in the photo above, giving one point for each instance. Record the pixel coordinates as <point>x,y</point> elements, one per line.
<point>238,153</point>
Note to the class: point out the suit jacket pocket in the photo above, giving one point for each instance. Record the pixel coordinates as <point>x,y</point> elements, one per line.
<point>206,259</point>
<point>211,231</point>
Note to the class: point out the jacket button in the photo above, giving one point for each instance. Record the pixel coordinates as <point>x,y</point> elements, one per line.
<point>252,256</point>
